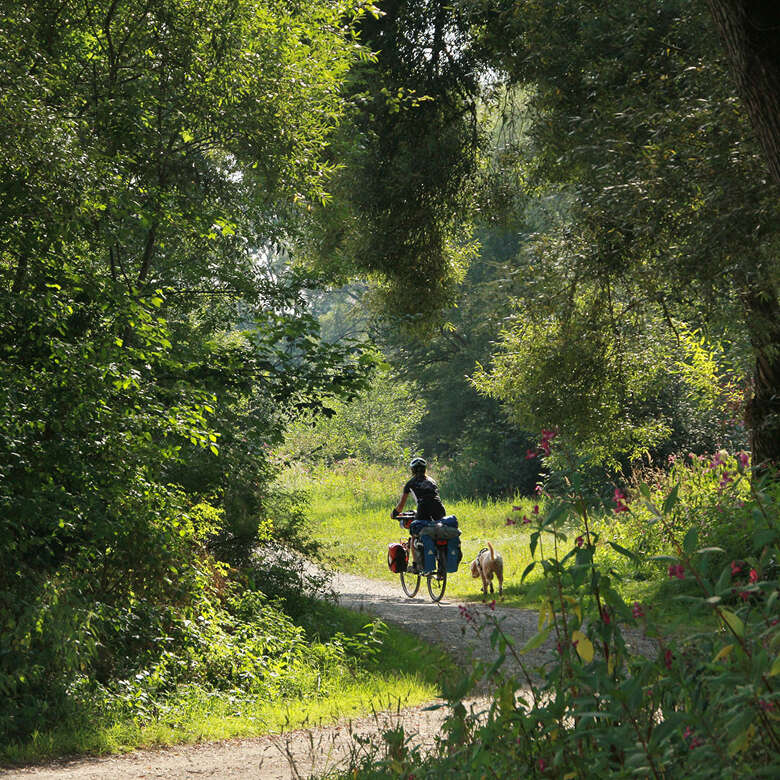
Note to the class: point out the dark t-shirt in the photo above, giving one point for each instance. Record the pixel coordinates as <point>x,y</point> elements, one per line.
<point>426,492</point>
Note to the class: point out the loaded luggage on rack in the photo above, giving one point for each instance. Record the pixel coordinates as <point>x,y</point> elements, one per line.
<point>443,532</point>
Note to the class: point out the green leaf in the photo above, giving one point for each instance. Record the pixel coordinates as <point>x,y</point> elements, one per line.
<point>690,541</point>
<point>536,641</point>
<point>671,499</point>
<point>733,622</point>
<point>623,551</point>
<point>527,570</point>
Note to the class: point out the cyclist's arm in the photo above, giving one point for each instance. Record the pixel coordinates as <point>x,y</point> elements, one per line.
<point>402,503</point>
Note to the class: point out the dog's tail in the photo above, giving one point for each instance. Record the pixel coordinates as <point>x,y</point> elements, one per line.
<point>492,554</point>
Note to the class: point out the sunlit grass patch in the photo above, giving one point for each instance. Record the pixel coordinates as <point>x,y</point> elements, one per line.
<point>350,513</point>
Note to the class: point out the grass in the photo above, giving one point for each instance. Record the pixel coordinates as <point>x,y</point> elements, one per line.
<point>403,672</point>
<point>350,512</point>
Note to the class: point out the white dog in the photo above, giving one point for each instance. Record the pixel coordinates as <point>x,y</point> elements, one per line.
<point>485,565</point>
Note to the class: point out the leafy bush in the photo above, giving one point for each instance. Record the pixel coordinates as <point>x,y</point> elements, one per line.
<point>713,500</point>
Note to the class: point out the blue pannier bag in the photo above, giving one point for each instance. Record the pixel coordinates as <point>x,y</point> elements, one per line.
<point>450,520</point>
<point>454,555</point>
<point>429,553</point>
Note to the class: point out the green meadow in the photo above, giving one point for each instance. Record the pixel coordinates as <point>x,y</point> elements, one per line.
<point>350,506</point>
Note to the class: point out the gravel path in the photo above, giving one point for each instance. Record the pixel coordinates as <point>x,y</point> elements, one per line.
<point>308,752</point>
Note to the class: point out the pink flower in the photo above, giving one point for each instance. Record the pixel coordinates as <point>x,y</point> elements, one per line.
<point>620,501</point>
<point>526,520</point>
<point>725,479</point>
<point>536,509</point>
<point>547,437</point>
<point>743,459</point>
<point>531,454</point>
<point>517,509</point>
<point>492,604</point>
<point>717,460</point>
<point>687,733</point>
<point>677,571</point>
<point>605,616</point>
<point>511,521</point>
<point>668,657</point>
<point>736,568</point>
<point>538,490</point>
<point>542,764</point>
<point>753,575</point>
<point>637,610</point>
<point>744,595</point>
<point>579,541</point>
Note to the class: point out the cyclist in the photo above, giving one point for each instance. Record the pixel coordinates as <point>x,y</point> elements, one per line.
<point>429,505</point>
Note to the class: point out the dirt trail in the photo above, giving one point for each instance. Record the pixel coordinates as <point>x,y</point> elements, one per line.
<point>314,751</point>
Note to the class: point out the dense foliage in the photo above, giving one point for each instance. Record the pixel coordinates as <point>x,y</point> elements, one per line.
<point>151,161</point>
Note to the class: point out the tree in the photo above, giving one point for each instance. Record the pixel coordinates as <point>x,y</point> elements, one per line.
<point>749,31</point>
<point>153,154</point>
<point>664,201</point>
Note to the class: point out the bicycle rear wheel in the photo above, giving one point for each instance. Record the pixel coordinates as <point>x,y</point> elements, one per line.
<point>437,582</point>
<point>410,583</point>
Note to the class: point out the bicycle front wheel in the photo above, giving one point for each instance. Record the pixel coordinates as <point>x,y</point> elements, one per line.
<point>437,582</point>
<point>410,583</point>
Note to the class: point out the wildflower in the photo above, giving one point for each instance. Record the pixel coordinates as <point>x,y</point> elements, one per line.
<point>725,479</point>
<point>605,616</point>
<point>736,568</point>
<point>671,459</point>
<point>517,509</point>
<point>538,490</point>
<point>531,454</point>
<point>526,520</point>
<point>620,501</point>
<point>492,604</point>
<point>559,648</point>
<point>668,657</point>
<point>637,610</point>
<point>511,521</point>
<point>744,595</point>
<point>542,764</point>
<point>677,571</point>
<point>743,459</point>
<point>465,614</point>
<point>753,575</point>
<point>579,541</point>
<point>547,437</point>
<point>687,733</point>
<point>717,459</point>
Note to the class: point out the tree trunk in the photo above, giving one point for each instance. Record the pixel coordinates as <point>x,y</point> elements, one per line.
<point>763,410</point>
<point>750,31</point>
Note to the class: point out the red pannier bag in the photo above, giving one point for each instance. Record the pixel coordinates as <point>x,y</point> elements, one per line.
<point>396,557</point>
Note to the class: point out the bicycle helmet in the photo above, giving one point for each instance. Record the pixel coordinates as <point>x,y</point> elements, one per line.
<point>418,464</point>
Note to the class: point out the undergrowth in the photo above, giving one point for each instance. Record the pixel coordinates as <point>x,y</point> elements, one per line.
<point>253,671</point>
